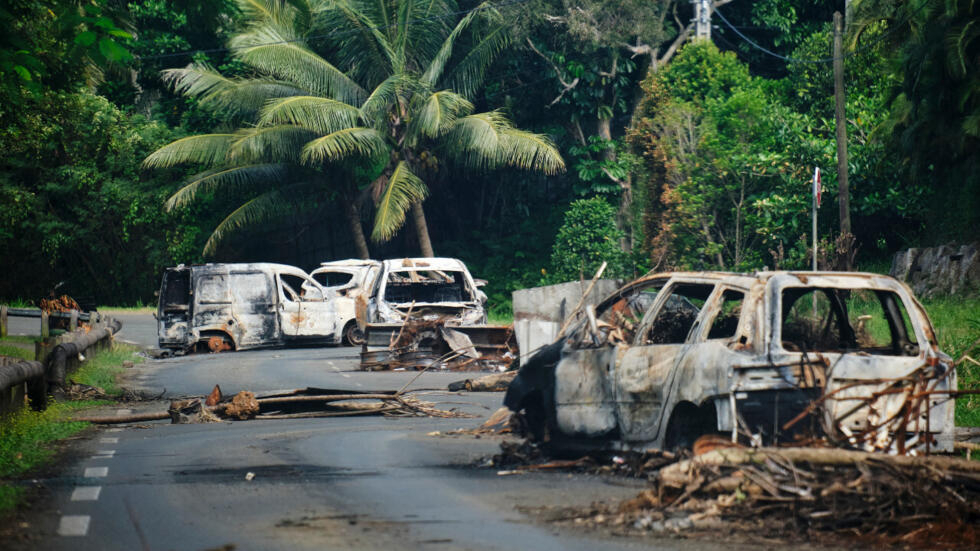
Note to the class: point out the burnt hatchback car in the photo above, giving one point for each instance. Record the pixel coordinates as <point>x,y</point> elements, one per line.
<point>769,357</point>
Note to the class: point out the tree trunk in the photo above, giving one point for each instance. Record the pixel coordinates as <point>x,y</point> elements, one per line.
<point>422,229</point>
<point>357,232</point>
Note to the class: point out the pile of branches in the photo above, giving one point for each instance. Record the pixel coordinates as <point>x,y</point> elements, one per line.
<point>808,493</point>
<point>303,403</point>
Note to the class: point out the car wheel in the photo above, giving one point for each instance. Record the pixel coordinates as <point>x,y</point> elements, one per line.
<point>687,424</point>
<point>353,336</point>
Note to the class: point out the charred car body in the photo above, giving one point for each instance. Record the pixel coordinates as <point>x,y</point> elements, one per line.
<point>242,306</point>
<point>349,283</point>
<point>432,288</point>
<point>771,356</point>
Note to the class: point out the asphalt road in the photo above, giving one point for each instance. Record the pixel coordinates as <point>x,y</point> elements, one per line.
<point>337,483</point>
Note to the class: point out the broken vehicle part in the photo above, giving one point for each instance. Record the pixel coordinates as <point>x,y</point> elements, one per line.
<point>349,284</point>
<point>431,344</point>
<point>769,357</point>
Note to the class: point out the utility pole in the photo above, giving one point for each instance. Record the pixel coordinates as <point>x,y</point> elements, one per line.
<point>843,194</point>
<point>702,19</point>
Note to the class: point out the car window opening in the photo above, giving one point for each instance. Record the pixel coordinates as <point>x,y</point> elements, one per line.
<point>844,320</point>
<point>427,286</point>
<point>725,323</point>
<point>673,322</point>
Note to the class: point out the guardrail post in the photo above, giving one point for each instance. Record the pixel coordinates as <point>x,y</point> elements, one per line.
<point>73,322</point>
<point>3,321</point>
<point>45,326</point>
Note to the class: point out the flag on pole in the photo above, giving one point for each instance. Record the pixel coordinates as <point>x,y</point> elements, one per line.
<point>816,186</point>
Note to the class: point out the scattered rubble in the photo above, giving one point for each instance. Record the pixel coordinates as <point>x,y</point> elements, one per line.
<point>435,344</point>
<point>498,382</point>
<point>303,403</point>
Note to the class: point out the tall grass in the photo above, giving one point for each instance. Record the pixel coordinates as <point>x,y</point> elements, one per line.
<point>957,324</point>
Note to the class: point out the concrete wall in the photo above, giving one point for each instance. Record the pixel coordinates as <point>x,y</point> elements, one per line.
<point>540,311</point>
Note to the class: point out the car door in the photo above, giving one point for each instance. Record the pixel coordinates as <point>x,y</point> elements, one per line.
<point>303,311</point>
<point>254,322</point>
<point>642,377</point>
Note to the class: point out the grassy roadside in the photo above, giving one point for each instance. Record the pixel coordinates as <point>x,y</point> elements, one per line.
<point>27,437</point>
<point>957,323</point>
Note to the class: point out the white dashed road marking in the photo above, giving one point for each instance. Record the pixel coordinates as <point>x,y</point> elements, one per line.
<point>73,525</point>
<point>86,493</point>
<point>115,430</point>
<point>123,411</point>
<point>110,440</point>
<point>104,454</point>
<point>96,472</point>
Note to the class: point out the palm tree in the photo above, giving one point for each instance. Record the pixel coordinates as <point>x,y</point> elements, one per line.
<point>394,98</point>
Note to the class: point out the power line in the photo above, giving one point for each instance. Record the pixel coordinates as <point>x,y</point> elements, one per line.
<point>790,59</point>
<point>334,34</point>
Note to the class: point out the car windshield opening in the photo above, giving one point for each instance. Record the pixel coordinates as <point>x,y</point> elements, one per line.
<point>427,286</point>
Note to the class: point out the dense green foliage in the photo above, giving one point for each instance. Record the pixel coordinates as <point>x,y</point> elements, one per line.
<point>702,152</point>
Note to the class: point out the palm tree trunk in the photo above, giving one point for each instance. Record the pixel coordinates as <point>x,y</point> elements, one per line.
<point>422,229</point>
<point>357,232</point>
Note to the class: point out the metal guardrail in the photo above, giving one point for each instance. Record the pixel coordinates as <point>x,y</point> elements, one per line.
<point>55,357</point>
<point>35,313</point>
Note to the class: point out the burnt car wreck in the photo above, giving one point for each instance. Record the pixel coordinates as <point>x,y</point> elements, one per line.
<point>766,358</point>
<point>242,306</point>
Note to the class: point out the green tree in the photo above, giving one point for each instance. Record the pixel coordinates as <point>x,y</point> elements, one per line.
<point>391,97</point>
<point>586,239</point>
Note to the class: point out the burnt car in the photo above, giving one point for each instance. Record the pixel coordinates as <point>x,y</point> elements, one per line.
<point>768,357</point>
<point>242,306</point>
<point>349,284</point>
<point>432,288</point>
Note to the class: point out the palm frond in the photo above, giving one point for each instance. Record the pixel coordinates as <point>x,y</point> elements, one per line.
<point>467,75</point>
<point>383,96</point>
<point>218,93</point>
<point>363,48</point>
<point>228,180</point>
<point>403,189</point>
<point>530,151</point>
<point>321,115</point>
<point>437,66</point>
<point>207,149</point>
<point>271,51</point>
<point>438,113</point>
<point>271,205</point>
<point>486,141</point>
<point>344,143</point>
<point>280,143</point>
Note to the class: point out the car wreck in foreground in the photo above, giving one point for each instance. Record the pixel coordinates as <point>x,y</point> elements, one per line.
<point>765,358</point>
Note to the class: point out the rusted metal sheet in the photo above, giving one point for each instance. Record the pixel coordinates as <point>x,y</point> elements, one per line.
<point>768,357</point>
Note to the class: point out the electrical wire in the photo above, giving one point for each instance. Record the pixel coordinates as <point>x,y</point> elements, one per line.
<point>790,59</point>
<point>334,34</point>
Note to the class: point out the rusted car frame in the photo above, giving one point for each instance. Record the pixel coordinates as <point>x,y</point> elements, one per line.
<point>243,306</point>
<point>770,357</point>
<point>348,283</point>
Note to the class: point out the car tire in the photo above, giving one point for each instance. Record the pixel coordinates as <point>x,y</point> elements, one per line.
<point>353,336</point>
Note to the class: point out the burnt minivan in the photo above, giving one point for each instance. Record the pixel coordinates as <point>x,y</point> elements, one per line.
<point>243,306</point>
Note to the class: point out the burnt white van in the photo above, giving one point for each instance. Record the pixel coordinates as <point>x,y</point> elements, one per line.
<point>243,306</point>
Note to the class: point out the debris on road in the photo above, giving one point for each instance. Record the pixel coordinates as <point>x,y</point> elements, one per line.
<point>436,344</point>
<point>828,495</point>
<point>497,382</point>
<point>302,403</point>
